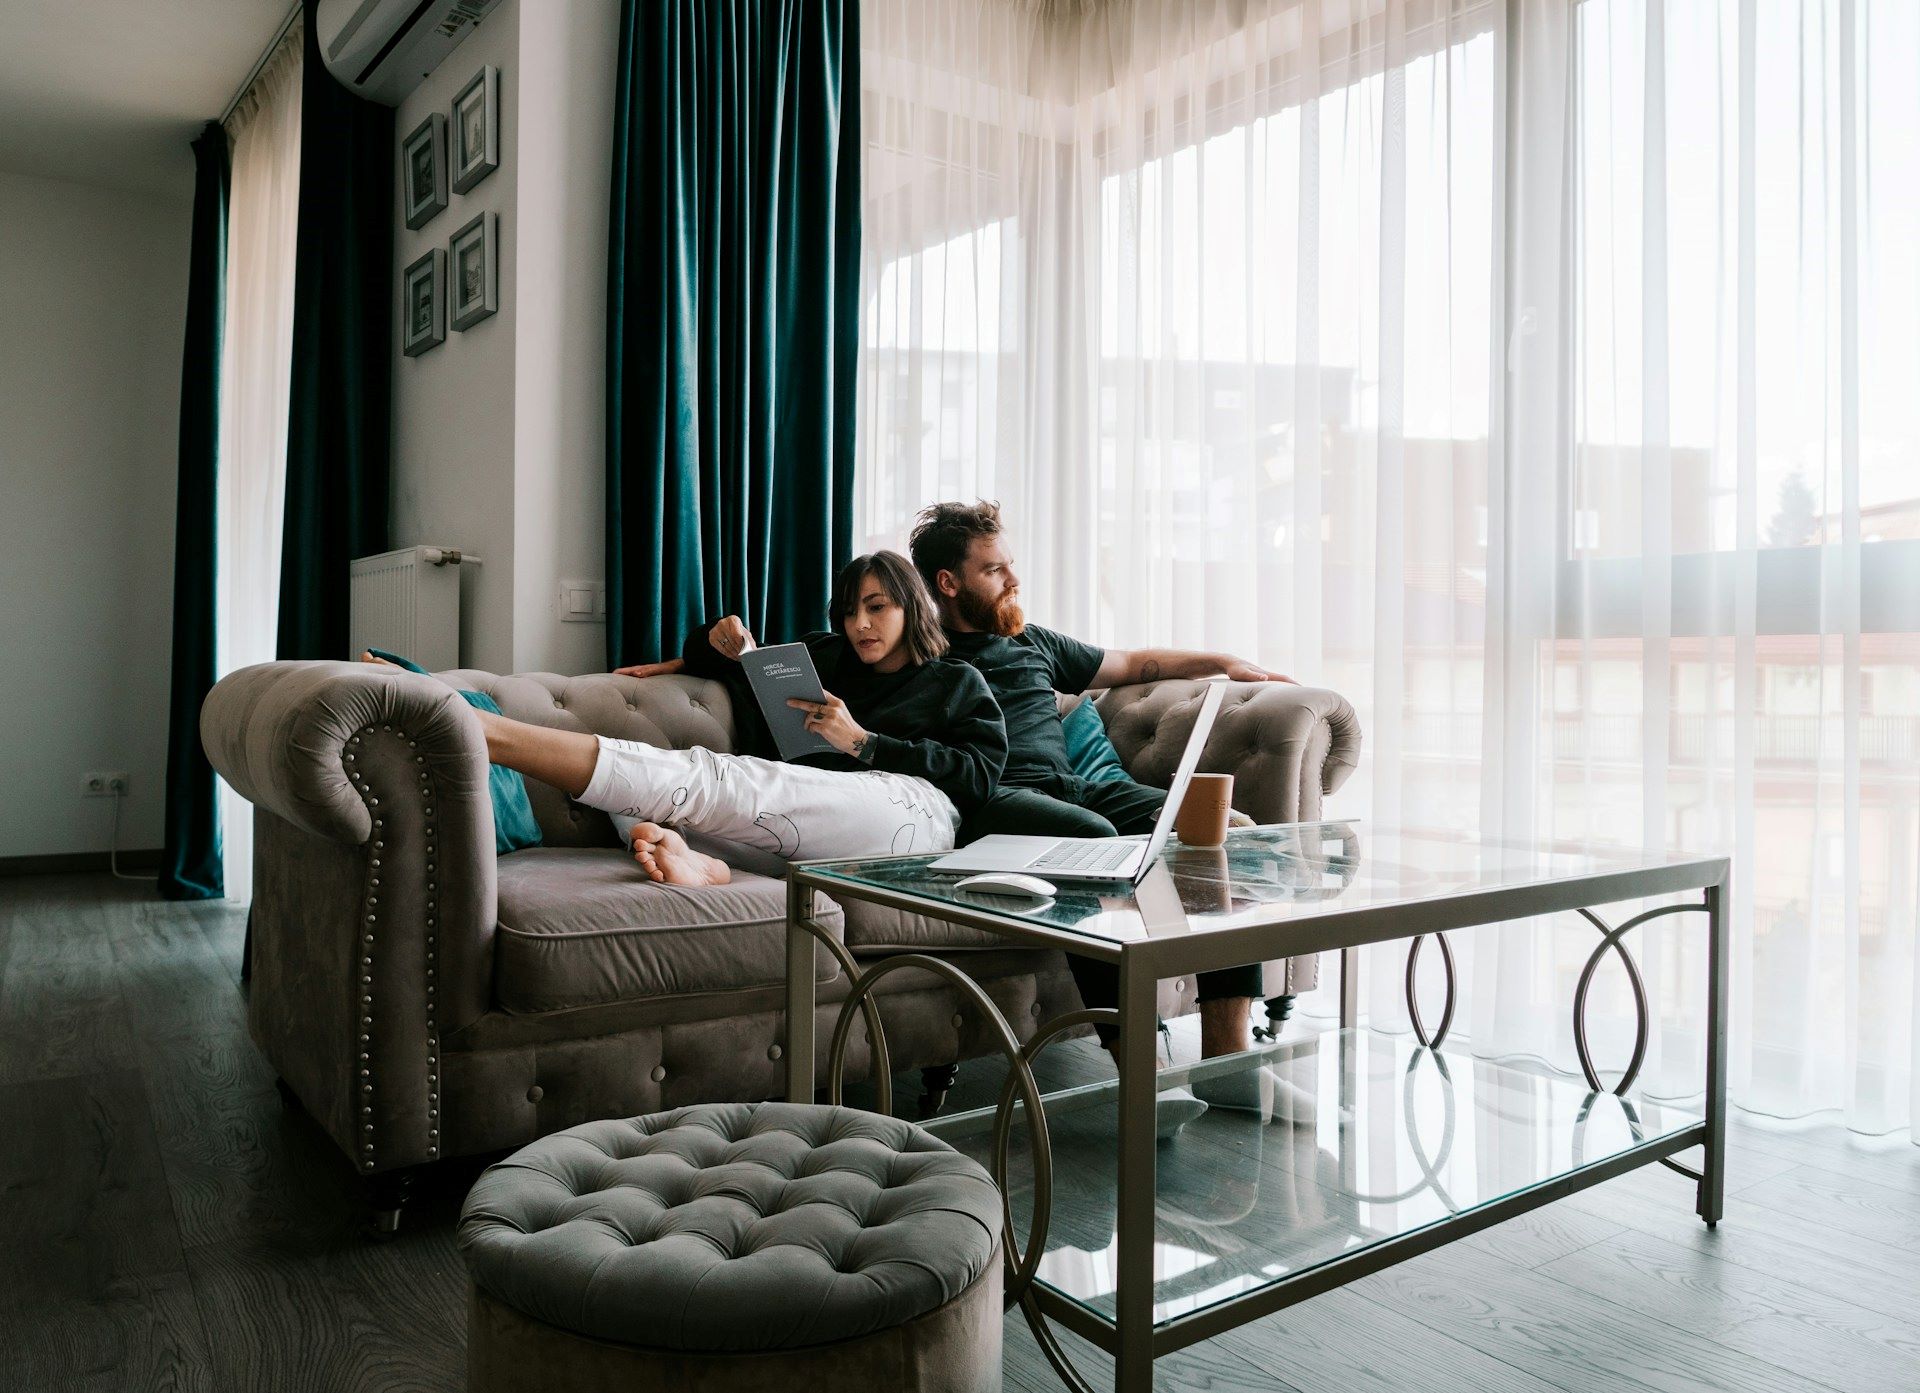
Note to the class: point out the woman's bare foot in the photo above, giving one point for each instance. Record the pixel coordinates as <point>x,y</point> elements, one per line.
<point>367,657</point>
<point>665,856</point>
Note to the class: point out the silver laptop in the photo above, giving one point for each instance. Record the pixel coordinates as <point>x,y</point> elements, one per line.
<point>1092,858</point>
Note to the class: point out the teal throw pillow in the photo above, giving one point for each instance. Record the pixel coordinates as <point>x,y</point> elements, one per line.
<point>1089,750</point>
<point>514,828</point>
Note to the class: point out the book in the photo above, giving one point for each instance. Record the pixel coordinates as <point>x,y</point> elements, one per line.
<point>777,673</point>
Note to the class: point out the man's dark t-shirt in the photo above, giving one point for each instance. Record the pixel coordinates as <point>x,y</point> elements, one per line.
<point>1024,672</point>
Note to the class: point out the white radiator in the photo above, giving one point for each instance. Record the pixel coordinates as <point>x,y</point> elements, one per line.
<point>408,602</point>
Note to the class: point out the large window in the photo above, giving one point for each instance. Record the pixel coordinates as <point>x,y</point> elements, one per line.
<point>1736,660</point>
<point>1540,376</point>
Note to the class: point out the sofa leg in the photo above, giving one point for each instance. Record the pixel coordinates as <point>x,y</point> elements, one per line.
<point>1278,1009</point>
<point>387,1195</point>
<point>936,1081</point>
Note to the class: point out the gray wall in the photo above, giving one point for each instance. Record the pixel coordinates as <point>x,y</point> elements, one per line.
<point>499,443</point>
<point>453,405</point>
<point>498,433</point>
<point>92,313</point>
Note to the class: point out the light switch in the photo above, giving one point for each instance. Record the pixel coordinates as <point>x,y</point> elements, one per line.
<point>582,602</point>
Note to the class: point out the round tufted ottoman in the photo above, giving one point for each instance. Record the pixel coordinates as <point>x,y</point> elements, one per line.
<point>736,1247</point>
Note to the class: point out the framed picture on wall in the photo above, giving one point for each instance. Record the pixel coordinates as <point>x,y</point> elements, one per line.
<point>423,303</point>
<point>476,129</point>
<point>423,165</point>
<point>474,259</point>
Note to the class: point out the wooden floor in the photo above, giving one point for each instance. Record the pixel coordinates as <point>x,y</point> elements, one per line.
<point>167,1224</point>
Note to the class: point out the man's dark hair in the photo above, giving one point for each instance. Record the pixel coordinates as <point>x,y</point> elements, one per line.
<point>942,533</point>
<point>923,637</point>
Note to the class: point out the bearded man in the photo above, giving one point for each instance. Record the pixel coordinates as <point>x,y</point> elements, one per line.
<point>960,550</point>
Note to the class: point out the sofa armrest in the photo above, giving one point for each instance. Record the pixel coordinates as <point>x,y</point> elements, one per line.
<point>1285,745</point>
<point>374,887</point>
<point>279,733</point>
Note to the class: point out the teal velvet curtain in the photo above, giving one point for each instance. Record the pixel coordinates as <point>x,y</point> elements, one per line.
<point>339,406</point>
<point>733,302</point>
<point>190,867</point>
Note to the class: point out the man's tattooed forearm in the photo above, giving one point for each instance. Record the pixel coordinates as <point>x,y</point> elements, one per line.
<point>862,747</point>
<point>1150,671</point>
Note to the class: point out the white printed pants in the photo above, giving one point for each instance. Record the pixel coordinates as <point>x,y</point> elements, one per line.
<point>791,811</point>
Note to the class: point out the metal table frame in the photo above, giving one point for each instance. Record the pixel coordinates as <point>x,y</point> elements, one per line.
<point>1132,1337</point>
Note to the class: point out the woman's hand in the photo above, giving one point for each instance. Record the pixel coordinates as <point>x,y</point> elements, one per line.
<point>832,722</point>
<point>665,669</point>
<point>730,638</point>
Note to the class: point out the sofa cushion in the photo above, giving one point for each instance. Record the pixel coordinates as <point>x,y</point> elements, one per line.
<point>581,926</point>
<point>514,827</point>
<point>1089,751</point>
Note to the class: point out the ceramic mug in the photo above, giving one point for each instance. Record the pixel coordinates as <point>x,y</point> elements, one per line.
<point>1202,820</point>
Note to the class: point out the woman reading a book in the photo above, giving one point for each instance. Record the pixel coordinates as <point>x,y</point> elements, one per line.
<point>916,741</point>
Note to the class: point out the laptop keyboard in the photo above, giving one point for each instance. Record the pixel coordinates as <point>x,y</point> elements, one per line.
<point>1084,856</point>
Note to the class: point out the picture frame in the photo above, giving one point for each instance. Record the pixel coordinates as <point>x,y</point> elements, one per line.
<point>476,129</point>
<point>423,170</point>
<point>423,303</point>
<point>473,271</point>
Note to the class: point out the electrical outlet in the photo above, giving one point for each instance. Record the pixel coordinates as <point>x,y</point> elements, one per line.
<point>106,784</point>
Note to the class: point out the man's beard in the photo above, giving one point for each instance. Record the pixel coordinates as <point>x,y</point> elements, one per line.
<point>1002,616</point>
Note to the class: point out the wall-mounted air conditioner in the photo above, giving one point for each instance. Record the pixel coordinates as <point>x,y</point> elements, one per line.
<point>382,48</point>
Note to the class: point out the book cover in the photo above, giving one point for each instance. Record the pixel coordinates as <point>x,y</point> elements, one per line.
<point>775,674</point>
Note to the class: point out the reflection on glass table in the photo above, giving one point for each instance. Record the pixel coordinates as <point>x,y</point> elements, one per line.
<point>1258,866</point>
<point>1289,874</point>
<point>1409,1138</point>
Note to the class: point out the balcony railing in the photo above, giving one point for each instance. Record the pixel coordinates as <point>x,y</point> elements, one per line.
<point>1692,738</point>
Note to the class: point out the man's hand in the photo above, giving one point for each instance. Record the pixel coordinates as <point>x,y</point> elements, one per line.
<point>665,669</point>
<point>1241,671</point>
<point>730,637</point>
<point>832,722</point>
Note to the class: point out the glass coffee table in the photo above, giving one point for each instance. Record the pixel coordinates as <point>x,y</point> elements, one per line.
<point>1371,1148</point>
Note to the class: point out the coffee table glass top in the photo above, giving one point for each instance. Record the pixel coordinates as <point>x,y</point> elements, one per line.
<point>1263,875</point>
<point>1313,1169</point>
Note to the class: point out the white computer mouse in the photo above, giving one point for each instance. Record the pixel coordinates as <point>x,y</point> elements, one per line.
<point>1008,883</point>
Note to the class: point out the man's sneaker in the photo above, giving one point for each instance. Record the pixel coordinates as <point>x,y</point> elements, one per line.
<point>1172,1110</point>
<point>1261,1092</point>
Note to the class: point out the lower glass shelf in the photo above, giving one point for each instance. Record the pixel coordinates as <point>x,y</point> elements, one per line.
<point>1308,1152</point>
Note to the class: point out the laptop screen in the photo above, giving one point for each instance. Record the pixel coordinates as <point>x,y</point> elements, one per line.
<point>1189,757</point>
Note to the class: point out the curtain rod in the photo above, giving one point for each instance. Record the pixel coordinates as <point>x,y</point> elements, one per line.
<point>261,61</point>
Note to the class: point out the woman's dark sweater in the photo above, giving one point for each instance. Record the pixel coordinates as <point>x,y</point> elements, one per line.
<point>937,721</point>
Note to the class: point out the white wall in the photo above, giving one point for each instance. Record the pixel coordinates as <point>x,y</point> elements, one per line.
<point>93,292</point>
<point>453,405</point>
<point>499,433</point>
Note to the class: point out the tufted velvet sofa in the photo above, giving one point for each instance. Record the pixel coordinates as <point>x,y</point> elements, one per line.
<point>424,998</point>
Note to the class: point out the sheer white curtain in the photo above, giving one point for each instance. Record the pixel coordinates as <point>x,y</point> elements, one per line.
<point>1734,658</point>
<point>1417,350</point>
<point>1124,274</point>
<point>263,210</point>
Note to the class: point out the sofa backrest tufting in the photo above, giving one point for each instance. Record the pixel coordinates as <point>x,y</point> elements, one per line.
<point>673,712</point>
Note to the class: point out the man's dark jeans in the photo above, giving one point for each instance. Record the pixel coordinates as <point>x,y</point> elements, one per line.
<point>1064,806</point>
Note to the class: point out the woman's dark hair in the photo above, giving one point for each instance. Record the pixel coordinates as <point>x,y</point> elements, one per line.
<point>943,532</point>
<point>923,637</point>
